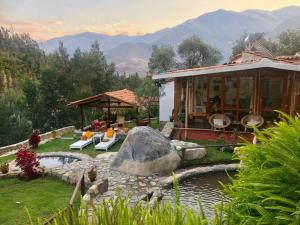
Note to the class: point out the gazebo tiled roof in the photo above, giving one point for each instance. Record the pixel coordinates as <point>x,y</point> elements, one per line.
<point>123,97</point>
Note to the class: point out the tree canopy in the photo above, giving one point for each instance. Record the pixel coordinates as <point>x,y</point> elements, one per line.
<point>195,53</point>
<point>161,59</point>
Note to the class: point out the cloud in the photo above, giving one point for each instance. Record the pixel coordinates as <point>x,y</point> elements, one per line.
<point>55,22</point>
<point>19,26</point>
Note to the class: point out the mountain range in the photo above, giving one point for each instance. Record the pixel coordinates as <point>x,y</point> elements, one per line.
<point>220,29</point>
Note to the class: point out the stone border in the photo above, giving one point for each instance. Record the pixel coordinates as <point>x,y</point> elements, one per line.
<point>81,156</point>
<point>43,137</point>
<point>186,173</point>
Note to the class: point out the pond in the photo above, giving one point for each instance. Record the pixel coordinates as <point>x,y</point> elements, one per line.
<point>205,186</point>
<point>56,161</point>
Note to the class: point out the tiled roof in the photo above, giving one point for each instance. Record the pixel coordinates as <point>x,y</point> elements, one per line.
<point>233,66</point>
<point>124,96</point>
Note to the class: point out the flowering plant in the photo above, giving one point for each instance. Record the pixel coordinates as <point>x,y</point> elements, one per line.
<point>28,162</point>
<point>34,140</point>
<point>4,168</point>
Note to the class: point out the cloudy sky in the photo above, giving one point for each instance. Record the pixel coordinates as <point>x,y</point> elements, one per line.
<point>44,19</point>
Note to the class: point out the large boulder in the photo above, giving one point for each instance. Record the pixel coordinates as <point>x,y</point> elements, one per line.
<point>145,151</point>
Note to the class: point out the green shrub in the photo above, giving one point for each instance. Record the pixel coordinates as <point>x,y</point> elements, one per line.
<point>267,190</point>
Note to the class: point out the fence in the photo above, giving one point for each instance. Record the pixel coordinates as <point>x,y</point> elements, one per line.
<point>79,184</point>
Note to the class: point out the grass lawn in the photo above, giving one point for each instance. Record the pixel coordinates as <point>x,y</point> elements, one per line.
<point>214,155</point>
<point>62,145</point>
<point>41,197</point>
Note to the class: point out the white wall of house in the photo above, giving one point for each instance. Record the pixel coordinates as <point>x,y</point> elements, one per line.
<point>166,101</point>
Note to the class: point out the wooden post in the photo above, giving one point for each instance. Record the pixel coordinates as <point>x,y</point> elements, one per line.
<point>237,106</point>
<point>108,113</point>
<point>293,95</point>
<point>186,108</point>
<point>82,187</point>
<point>136,116</point>
<point>177,94</point>
<point>81,117</point>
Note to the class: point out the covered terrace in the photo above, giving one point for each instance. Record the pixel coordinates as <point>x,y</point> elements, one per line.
<point>108,100</point>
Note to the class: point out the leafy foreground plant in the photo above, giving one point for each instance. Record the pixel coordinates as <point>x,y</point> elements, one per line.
<point>267,188</point>
<point>120,212</point>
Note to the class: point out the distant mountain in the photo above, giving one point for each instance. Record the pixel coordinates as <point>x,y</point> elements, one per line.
<point>219,28</point>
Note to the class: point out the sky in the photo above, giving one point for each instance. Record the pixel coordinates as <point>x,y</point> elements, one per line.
<point>45,19</point>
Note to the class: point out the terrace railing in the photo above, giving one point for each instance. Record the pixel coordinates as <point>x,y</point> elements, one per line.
<point>79,185</point>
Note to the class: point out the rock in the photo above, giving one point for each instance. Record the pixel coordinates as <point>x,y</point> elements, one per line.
<point>144,152</point>
<point>194,153</point>
<point>86,198</point>
<point>168,129</point>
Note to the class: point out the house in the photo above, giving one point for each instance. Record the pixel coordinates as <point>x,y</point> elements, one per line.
<point>252,83</point>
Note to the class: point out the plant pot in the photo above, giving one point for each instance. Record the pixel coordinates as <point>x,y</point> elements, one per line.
<point>54,135</point>
<point>4,168</point>
<point>92,175</point>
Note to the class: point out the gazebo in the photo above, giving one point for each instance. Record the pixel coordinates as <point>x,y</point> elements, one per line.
<point>109,100</point>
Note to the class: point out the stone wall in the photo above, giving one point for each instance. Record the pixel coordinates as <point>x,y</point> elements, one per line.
<point>44,136</point>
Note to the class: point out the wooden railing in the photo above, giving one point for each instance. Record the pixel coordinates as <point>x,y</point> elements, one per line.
<point>79,184</point>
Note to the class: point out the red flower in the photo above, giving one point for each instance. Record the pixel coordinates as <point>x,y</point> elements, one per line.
<point>27,161</point>
<point>34,140</point>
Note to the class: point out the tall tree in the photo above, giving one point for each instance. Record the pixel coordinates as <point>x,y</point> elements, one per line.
<point>161,59</point>
<point>247,40</point>
<point>195,53</point>
<point>289,42</point>
<point>148,93</point>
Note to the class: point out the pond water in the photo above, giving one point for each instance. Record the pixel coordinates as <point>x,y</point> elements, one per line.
<point>56,161</point>
<point>205,186</point>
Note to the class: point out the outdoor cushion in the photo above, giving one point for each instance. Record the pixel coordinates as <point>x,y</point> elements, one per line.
<point>89,134</point>
<point>252,123</point>
<point>110,133</point>
<point>218,122</point>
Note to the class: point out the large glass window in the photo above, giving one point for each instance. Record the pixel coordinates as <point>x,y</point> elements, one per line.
<point>201,94</point>
<point>230,92</point>
<point>246,92</point>
<point>215,93</point>
<point>272,93</point>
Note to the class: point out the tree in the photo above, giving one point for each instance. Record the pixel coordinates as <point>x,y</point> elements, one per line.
<point>248,39</point>
<point>289,42</point>
<point>161,59</point>
<point>195,53</point>
<point>148,93</point>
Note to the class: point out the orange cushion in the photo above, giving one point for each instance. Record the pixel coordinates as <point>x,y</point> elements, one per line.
<point>110,133</point>
<point>89,134</point>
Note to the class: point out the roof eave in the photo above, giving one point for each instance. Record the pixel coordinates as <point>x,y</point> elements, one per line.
<point>263,63</point>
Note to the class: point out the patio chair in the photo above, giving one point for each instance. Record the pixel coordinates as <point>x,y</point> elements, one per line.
<point>219,121</point>
<point>106,142</point>
<point>81,144</point>
<point>250,121</point>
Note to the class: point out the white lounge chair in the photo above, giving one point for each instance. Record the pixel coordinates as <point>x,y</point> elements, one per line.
<point>81,144</point>
<point>107,144</point>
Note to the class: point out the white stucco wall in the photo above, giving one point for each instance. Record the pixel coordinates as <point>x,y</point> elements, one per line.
<point>166,101</point>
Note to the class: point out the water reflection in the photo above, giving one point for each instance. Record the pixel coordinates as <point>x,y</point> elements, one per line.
<point>56,161</point>
<point>206,186</point>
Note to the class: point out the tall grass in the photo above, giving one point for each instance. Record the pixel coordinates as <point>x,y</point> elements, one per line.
<point>267,188</point>
<point>118,212</point>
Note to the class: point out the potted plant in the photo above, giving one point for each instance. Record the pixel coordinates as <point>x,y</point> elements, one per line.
<point>92,174</point>
<point>54,134</point>
<point>28,162</point>
<point>4,168</point>
<point>34,139</point>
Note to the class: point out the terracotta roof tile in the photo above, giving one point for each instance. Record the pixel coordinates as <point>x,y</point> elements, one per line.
<point>124,96</point>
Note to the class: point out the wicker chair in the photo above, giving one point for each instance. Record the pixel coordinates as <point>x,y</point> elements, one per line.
<point>250,121</point>
<point>219,121</point>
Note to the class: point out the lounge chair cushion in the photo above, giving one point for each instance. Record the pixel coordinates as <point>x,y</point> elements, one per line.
<point>218,122</point>
<point>89,134</point>
<point>110,133</point>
